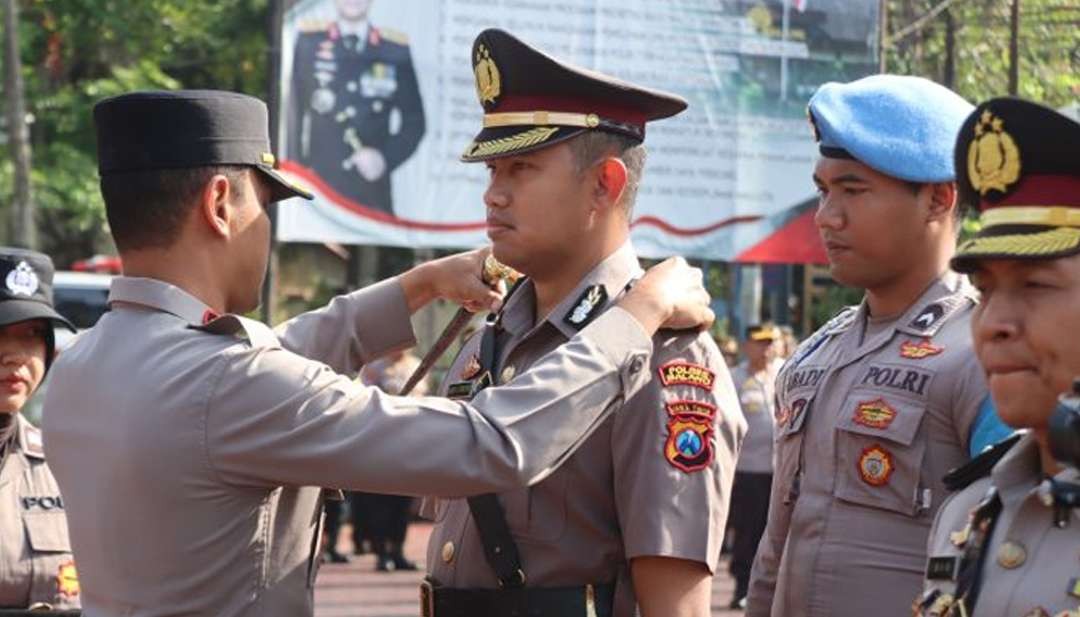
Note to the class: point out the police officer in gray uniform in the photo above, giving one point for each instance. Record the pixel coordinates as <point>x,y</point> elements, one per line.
<point>205,434</point>
<point>36,566</point>
<point>877,405</point>
<point>634,519</point>
<point>1008,542</point>
<point>355,112</point>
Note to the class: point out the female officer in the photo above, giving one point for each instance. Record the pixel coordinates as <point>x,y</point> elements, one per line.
<point>1007,544</point>
<point>36,568</point>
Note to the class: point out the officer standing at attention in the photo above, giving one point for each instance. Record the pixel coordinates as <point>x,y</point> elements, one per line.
<point>755,383</point>
<point>1007,544</point>
<point>36,567</point>
<point>205,433</point>
<point>355,112</point>
<point>634,518</point>
<point>876,406</point>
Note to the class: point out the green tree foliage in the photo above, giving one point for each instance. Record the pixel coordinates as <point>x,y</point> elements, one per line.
<point>76,52</point>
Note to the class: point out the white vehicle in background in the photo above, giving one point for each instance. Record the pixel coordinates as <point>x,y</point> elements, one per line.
<point>81,297</point>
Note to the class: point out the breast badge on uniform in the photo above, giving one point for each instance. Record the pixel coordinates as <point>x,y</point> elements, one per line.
<point>876,465</point>
<point>679,373</point>
<point>920,350</point>
<point>689,443</point>
<point>67,580</point>
<point>1011,555</point>
<point>877,413</point>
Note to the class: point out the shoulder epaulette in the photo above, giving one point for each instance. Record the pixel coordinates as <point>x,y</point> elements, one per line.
<point>308,26</point>
<point>394,36</point>
<point>842,319</point>
<point>980,466</point>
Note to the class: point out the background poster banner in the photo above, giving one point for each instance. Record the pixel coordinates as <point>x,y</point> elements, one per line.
<point>378,101</point>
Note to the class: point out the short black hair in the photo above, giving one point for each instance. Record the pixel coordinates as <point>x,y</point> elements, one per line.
<point>592,146</point>
<point>146,209</point>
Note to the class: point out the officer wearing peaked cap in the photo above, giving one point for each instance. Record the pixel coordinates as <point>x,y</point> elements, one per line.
<point>633,520</point>
<point>876,406</point>
<point>36,566</point>
<point>1007,543</point>
<point>178,420</point>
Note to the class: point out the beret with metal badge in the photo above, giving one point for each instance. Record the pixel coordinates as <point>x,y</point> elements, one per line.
<point>1019,165</point>
<point>532,100</point>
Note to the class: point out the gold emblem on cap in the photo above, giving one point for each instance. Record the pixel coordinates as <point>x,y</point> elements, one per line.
<point>488,83</point>
<point>268,158</point>
<point>1011,555</point>
<point>592,121</point>
<point>993,158</point>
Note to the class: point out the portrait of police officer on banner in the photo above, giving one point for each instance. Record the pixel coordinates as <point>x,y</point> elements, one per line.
<point>354,111</point>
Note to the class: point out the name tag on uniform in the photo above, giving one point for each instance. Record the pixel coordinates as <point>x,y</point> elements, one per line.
<point>941,569</point>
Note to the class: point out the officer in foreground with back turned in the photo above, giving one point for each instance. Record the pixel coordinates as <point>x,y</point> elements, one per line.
<point>36,567</point>
<point>1008,542</point>
<point>876,406</point>
<point>206,434</point>
<point>633,520</point>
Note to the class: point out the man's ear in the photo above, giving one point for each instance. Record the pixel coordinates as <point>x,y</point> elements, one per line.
<point>213,205</point>
<point>942,201</point>
<point>610,181</point>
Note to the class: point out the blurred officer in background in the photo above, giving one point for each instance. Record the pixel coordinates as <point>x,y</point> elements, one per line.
<point>36,566</point>
<point>1007,544</point>
<point>876,406</point>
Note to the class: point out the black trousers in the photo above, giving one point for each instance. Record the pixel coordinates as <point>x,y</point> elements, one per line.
<point>384,519</point>
<point>749,513</point>
<point>334,511</point>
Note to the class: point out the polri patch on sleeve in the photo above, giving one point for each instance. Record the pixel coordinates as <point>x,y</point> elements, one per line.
<point>941,569</point>
<point>587,307</point>
<point>679,373</point>
<point>693,408</point>
<point>689,442</point>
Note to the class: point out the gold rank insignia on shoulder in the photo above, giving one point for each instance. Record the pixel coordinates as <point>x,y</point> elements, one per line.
<point>993,159</point>
<point>488,81</point>
<point>679,373</point>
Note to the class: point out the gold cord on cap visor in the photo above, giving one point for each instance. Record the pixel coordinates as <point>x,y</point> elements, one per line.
<point>534,118</point>
<point>1054,216</point>
<point>1049,242</point>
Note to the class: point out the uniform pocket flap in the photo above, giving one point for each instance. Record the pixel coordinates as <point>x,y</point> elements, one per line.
<point>48,532</point>
<point>880,416</point>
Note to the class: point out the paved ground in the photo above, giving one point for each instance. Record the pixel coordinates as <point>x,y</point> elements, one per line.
<point>356,590</point>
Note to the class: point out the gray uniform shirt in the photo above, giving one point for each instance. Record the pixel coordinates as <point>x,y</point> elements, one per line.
<point>1030,567</point>
<point>35,555</point>
<point>621,495</point>
<point>871,418</point>
<point>757,397</point>
<point>189,454</point>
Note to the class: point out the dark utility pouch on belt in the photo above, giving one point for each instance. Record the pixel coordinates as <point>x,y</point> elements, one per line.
<point>587,601</point>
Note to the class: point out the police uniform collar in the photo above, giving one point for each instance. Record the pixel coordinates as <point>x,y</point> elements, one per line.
<point>612,275</point>
<point>1018,473</point>
<point>29,440</point>
<point>161,296</point>
<point>947,294</point>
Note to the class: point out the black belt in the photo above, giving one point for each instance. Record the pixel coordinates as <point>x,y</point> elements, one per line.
<point>584,601</point>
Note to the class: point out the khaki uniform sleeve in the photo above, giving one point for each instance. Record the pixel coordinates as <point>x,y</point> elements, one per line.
<point>674,451</point>
<point>352,329</point>
<point>275,418</point>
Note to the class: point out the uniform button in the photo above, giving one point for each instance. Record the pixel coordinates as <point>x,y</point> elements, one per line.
<point>448,552</point>
<point>635,366</point>
<point>507,374</point>
<point>1011,555</point>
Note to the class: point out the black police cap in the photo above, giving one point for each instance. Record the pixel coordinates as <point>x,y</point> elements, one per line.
<point>26,287</point>
<point>154,130</point>
<point>532,100</point>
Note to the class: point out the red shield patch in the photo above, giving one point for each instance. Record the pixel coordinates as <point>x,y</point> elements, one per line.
<point>689,442</point>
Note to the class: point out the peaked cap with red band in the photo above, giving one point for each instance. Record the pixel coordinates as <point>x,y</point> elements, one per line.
<point>532,100</point>
<point>1017,161</point>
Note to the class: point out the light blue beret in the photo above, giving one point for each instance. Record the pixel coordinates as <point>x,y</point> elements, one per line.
<point>902,126</point>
